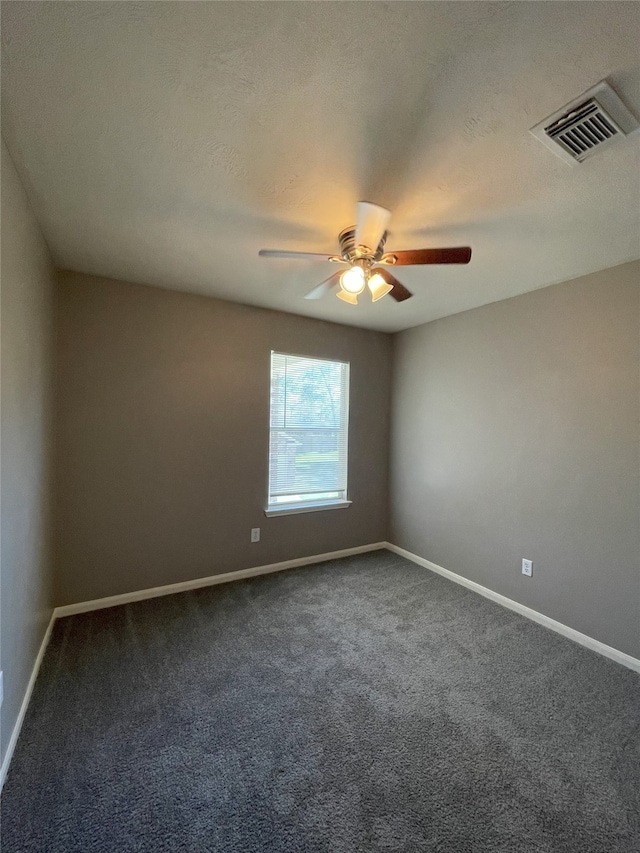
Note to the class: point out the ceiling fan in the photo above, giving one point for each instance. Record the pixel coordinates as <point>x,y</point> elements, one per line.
<point>361,249</point>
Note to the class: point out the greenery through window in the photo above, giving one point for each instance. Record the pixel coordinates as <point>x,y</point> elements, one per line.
<point>308,431</point>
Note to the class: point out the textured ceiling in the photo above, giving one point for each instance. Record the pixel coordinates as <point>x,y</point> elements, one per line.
<point>166,143</point>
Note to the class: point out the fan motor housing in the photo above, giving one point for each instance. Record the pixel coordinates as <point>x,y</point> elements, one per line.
<point>350,252</point>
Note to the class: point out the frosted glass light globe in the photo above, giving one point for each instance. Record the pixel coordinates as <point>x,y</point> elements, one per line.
<point>378,287</point>
<point>353,280</point>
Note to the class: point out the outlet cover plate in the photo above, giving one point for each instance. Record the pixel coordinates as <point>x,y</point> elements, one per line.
<point>527,568</point>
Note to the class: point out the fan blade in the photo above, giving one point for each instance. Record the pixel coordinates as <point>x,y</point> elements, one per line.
<point>371,223</point>
<point>277,253</point>
<point>411,257</point>
<point>399,292</point>
<point>326,287</point>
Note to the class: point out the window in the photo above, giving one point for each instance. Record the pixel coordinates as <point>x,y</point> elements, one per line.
<point>308,434</point>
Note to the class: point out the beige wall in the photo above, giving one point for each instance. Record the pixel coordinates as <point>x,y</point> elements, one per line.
<point>27,336</point>
<point>162,437</point>
<point>516,434</point>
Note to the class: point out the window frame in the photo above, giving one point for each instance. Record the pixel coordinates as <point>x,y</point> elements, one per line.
<point>298,507</point>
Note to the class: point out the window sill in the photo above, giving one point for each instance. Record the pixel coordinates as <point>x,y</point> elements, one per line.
<point>295,509</point>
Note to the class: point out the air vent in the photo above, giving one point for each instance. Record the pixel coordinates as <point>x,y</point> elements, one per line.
<point>583,129</point>
<point>586,125</point>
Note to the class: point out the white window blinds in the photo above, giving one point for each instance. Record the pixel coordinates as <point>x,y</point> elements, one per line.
<point>308,430</point>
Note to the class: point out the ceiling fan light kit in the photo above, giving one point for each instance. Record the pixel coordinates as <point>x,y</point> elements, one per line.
<point>354,280</point>
<point>356,241</point>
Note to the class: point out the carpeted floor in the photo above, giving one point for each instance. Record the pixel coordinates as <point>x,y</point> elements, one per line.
<point>360,705</point>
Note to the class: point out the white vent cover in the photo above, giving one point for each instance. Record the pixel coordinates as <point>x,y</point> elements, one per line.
<point>586,125</point>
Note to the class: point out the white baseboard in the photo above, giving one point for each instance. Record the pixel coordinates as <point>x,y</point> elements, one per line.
<point>169,589</point>
<point>583,639</point>
<point>212,580</point>
<point>155,592</point>
<point>4,769</point>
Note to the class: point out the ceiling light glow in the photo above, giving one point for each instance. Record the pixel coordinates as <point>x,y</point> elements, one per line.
<point>353,280</point>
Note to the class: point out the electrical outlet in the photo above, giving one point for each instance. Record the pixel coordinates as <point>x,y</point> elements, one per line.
<point>255,534</point>
<point>1,688</point>
<point>527,568</point>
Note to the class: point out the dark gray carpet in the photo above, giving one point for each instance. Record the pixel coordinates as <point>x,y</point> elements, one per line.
<point>360,705</point>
